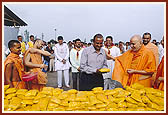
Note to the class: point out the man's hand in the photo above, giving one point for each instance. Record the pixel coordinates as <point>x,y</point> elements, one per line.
<point>131,71</point>
<point>64,61</point>
<point>43,66</point>
<point>78,69</point>
<point>97,71</point>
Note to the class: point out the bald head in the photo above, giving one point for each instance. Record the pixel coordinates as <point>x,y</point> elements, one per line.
<point>136,38</point>
<point>136,43</point>
<point>38,44</point>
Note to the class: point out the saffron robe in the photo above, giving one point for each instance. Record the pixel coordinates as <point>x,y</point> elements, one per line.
<point>160,73</point>
<point>142,60</point>
<point>14,58</point>
<point>41,80</point>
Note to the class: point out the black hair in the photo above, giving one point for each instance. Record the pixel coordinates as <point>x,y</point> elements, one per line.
<point>31,36</point>
<point>146,33</point>
<point>19,36</point>
<point>97,36</point>
<point>11,43</point>
<point>77,40</point>
<point>60,38</point>
<point>110,38</point>
<point>154,40</point>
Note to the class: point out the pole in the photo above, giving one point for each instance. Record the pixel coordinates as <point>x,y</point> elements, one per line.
<point>42,36</point>
<point>55,33</point>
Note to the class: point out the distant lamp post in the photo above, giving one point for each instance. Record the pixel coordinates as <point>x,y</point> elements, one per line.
<point>55,33</point>
<point>42,36</point>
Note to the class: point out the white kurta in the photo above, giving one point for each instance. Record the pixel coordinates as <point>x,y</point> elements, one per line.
<point>61,52</point>
<point>161,52</point>
<point>74,61</point>
<point>114,51</point>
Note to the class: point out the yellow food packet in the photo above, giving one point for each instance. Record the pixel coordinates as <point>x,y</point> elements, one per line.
<point>28,98</point>
<point>157,100</point>
<point>55,100</point>
<point>31,93</point>
<point>74,104</point>
<point>136,95</point>
<point>137,86</point>
<point>150,109</point>
<point>89,93</point>
<point>28,108</point>
<point>122,109</point>
<point>20,109</point>
<point>93,107</point>
<point>21,91</point>
<point>122,104</point>
<point>27,102</point>
<point>20,96</point>
<point>74,91</point>
<point>64,103</point>
<point>117,100</point>
<point>104,70</point>
<point>81,96</point>
<point>110,92</point>
<point>10,90</point>
<point>102,109</point>
<point>141,105</point>
<point>9,96</point>
<point>72,97</point>
<point>131,100</point>
<point>6,103</point>
<point>140,109</point>
<point>63,95</point>
<point>57,91</point>
<point>43,104</point>
<point>102,97</point>
<point>14,103</point>
<point>112,105</point>
<point>93,100</point>
<point>128,88</point>
<point>52,105</point>
<point>145,99</point>
<point>131,105</point>
<point>123,93</point>
<point>6,87</point>
<point>98,90</point>
<point>35,107</point>
<point>40,95</point>
<point>153,105</point>
<point>100,105</point>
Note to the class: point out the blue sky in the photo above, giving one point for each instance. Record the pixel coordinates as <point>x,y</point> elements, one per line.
<point>84,20</point>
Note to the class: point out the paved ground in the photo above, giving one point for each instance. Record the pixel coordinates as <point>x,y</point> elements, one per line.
<point>52,80</point>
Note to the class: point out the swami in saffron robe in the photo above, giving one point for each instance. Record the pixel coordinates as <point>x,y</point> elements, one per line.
<point>14,58</point>
<point>142,60</point>
<point>41,80</point>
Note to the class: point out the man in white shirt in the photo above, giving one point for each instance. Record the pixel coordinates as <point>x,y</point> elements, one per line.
<point>111,52</point>
<point>75,56</point>
<point>161,49</point>
<point>61,51</point>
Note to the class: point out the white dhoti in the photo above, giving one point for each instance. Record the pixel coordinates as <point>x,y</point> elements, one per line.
<point>66,77</point>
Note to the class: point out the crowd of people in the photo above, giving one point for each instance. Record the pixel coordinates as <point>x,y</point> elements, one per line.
<point>138,60</point>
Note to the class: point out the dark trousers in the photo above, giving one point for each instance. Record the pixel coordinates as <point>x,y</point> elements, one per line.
<point>89,81</point>
<point>75,79</point>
